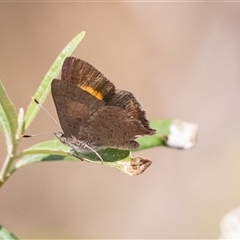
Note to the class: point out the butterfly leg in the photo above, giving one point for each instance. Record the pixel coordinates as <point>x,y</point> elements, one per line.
<point>85,145</point>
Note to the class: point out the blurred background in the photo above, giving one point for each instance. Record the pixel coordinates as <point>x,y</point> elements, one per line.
<point>181,60</point>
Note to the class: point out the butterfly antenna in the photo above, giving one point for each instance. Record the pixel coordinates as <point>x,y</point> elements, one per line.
<point>49,114</point>
<point>94,152</point>
<point>36,135</point>
<point>40,134</point>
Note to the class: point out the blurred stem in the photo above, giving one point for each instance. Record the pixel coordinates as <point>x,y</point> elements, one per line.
<point>4,174</point>
<point>11,156</point>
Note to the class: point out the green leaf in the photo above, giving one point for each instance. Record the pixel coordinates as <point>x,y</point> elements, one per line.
<point>48,147</point>
<point>54,149</point>
<point>8,119</point>
<point>53,72</point>
<point>34,158</point>
<point>6,234</point>
<point>45,151</point>
<point>5,128</point>
<point>20,124</point>
<point>107,154</point>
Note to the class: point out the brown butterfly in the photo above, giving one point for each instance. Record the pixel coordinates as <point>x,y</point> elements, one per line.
<point>93,113</point>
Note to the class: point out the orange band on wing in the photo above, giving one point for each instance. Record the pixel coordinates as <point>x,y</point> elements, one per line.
<point>93,92</point>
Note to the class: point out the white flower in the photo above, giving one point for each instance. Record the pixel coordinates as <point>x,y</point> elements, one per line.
<point>182,135</point>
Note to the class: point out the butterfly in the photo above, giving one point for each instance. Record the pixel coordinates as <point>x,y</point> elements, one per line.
<point>93,113</point>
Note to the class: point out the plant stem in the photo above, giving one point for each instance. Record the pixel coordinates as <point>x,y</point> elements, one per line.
<point>4,174</point>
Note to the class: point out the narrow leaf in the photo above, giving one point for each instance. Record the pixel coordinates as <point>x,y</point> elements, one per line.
<point>6,234</point>
<point>54,150</point>
<point>34,158</point>
<point>55,147</point>
<point>20,124</point>
<point>5,128</point>
<point>53,72</point>
<point>8,118</point>
<point>45,151</point>
<point>107,154</point>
